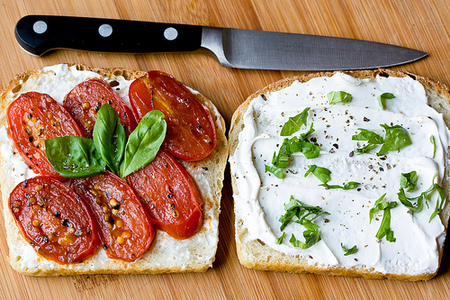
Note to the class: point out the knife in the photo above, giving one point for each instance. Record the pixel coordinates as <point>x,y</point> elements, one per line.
<point>236,48</point>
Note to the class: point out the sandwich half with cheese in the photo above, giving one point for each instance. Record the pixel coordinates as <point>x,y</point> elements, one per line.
<point>102,171</point>
<point>343,173</point>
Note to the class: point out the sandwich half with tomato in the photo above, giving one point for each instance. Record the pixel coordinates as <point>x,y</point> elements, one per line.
<point>109,171</point>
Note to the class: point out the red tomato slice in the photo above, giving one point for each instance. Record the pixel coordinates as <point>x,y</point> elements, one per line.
<point>125,231</point>
<point>191,134</point>
<point>53,219</point>
<point>34,118</point>
<point>84,101</point>
<point>170,195</point>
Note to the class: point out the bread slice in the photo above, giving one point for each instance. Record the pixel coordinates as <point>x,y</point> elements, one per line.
<point>255,251</point>
<point>195,254</point>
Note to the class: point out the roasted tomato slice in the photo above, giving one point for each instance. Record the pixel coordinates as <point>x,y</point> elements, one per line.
<point>191,134</point>
<point>125,231</point>
<point>170,195</point>
<point>53,219</point>
<point>34,118</point>
<point>84,101</point>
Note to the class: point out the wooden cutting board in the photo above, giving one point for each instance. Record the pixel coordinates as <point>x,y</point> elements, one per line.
<point>419,24</point>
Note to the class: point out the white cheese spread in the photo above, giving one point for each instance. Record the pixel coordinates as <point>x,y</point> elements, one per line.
<point>261,196</point>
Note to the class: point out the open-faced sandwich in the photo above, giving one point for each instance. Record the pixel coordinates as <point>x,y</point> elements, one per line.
<point>343,174</point>
<point>109,171</point>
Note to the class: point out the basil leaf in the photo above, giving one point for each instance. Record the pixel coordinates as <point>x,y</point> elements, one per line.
<point>275,171</point>
<point>144,142</point>
<point>371,137</point>
<point>408,181</point>
<point>74,157</point>
<point>323,174</point>
<point>376,207</point>
<point>413,204</point>
<point>396,138</point>
<point>279,240</point>
<point>339,97</point>
<point>302,211</point>
<point>385,227</point>
<point>368,136</point>
<point>349,251</point>
<point>311,235</point>
<point>382,99</point>
<point>295,123</point>
<point>439,203</point>
<point>281,160</point>
<point>109,137</point>
<point>348,186</point>
<point>433,141</point>
<point>310,150</point>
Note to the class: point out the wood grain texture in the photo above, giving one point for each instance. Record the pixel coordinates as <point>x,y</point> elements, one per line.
<point>420,24</point>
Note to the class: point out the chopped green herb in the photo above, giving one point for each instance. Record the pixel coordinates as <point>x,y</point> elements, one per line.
<point>408,181</point>
<point>279,240</point>
<point>339,97</point>
<point>433,141</point>
<point>382,99</point>
<point>372,138</point>
<point>415,204</point>
<point>396,138</point>
<point>295,123</point>
<point>348,186</point>
<point>294,145</point>
<point>385,226</point>
<point>311,235</point>
<point>302,211</point>
<point>349,251</point>
<point>279,173</point>
<point>323,174</point>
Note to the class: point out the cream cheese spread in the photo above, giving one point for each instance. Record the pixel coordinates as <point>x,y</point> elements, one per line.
<point>261,196</point>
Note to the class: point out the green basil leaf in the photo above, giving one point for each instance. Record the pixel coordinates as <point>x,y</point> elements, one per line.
<point>74,157</point>
<point>279,240</point>
<point>311,235</point>
<point>348,186</point>
<point>109,137</point>
<point>279,173</point>
<point>382,99</point>
<point>323,174</point>
<point>408,181</point>
<point>433,141</point>
<point>376,207</point>
<point>349,251</point>
<point>368,136</point>
<point>414,204</point>
<point>396,138</point>
<point>385,227</point>
<point>310,150</point>
<point>295,123</point>
<point>371,137</point>
<point>302,211</point>
<point>339,97</point>
<point>144,142</point>
<point>439,203</point>
<point>281,160</point>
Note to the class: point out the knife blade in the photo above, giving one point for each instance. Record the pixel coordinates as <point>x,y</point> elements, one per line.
<point>235,48</point>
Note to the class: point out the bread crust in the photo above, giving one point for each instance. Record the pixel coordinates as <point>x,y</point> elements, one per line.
<point>257,255</point>
<point>166,255</point>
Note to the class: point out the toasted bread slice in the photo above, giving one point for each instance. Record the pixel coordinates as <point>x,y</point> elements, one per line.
<point>257,226</point>
<point>166,254</point>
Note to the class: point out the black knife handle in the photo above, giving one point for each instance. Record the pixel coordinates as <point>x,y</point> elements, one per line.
<point>39,34</point>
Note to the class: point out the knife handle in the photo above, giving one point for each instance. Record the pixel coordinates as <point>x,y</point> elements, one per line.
<point>39,34</point>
